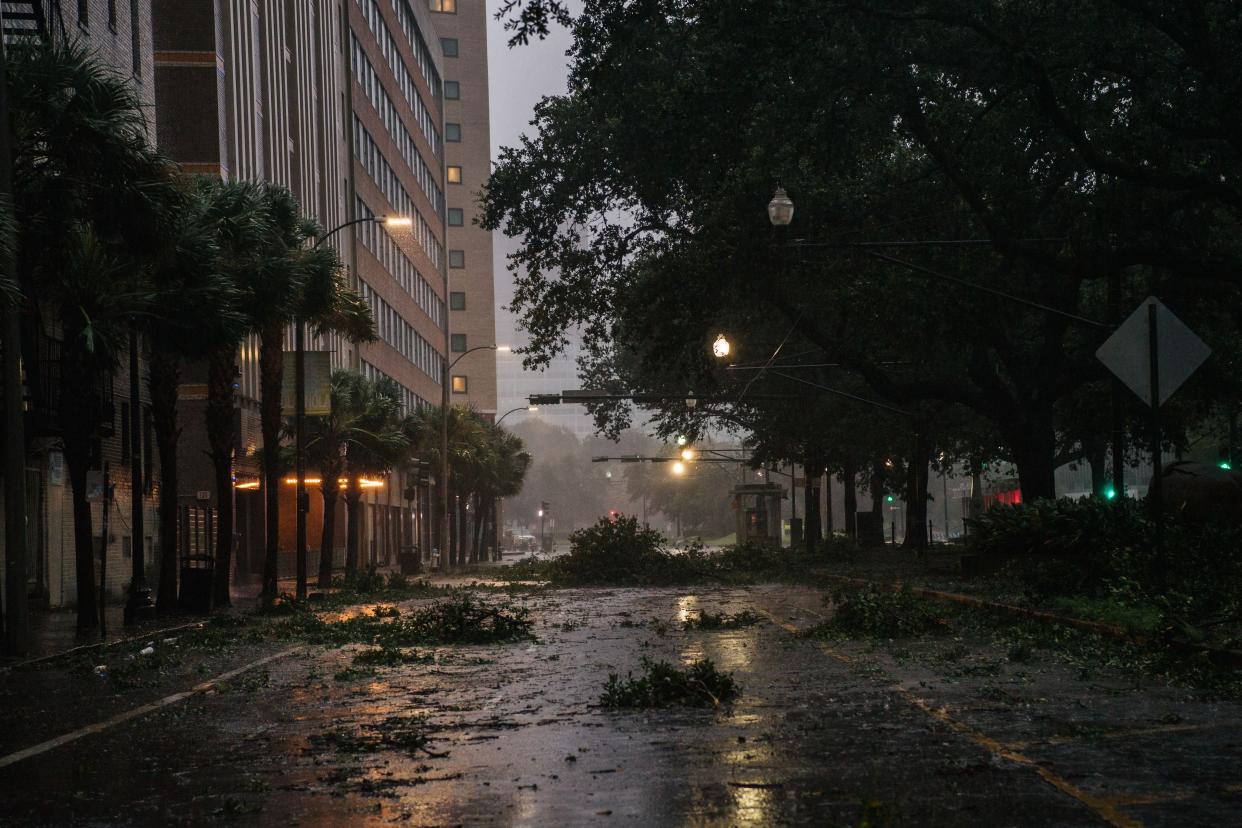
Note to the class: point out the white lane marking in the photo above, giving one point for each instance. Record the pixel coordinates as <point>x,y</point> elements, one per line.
<point>121,718</point>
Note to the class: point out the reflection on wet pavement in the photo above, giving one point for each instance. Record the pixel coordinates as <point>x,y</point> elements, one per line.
<point>514,735</point>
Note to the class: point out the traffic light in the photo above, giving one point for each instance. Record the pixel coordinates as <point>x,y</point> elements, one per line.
<point>1110,493</point>
<point>613,514</point>
<point>888,498</point>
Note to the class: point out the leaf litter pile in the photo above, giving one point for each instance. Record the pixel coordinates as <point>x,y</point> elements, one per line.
<point>663,685</point>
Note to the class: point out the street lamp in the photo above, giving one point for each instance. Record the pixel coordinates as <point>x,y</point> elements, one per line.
<point>679,468</point>
<point>299,418</point>
<point>687,454</point>
<point>531,408</point>
<point>780,209</point>
<point>720,347</point>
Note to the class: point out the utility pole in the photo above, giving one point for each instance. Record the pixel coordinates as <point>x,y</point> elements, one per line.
<point>17,619</point>
<point>299,427</point>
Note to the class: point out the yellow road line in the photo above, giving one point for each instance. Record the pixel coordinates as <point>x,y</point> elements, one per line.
<point>121,718</point>
<point>1103,808</point>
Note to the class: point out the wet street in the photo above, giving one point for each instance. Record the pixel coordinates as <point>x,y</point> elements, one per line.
<point>924,732</point>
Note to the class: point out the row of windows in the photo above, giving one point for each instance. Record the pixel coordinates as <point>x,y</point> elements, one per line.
<point>385,177</point>
<point>410,402</point>
<point>401,335</point>
<point>375,237</point>
<point>135,33</point>
<point>422,55</point>
<point>387,110</point>
<point>388,46</point>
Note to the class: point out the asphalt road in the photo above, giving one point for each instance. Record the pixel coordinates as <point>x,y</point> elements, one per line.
<point>924,732</point>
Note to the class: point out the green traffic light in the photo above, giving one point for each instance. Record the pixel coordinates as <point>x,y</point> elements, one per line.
<point>1110,493</point>
<point>888,498</point>
<point>1224,464</point>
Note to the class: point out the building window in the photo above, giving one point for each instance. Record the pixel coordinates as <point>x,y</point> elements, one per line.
<point>443,6</point>
<point>112,15</point>
<point>452,91</point>
<point>457,300</point>
<point>454,175</point>
<point>456,217</point>
<point>457,343</point>
<point>448,45</point>
<point>84,13</point>
<point>452,132</point>
<point>135,39</point>
<point>457,259</point>
<point>459,384</point>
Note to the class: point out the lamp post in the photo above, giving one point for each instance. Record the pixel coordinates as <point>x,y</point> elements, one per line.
<point>531,408</point>
<point>299,417</point>
<point>445,381</point>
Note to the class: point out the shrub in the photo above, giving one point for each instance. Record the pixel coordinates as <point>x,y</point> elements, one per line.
<point>882,613</point>
<point>621,553</point>
<point>663,685</point>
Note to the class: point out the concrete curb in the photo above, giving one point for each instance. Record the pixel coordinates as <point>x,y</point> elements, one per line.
<point>1219,655</point>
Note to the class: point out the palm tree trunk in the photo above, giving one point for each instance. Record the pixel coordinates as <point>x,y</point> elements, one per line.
<point>327,542</point>
<point>271,374</point>
<point>165,376</point>
<point>78,408</point>
<point>353,499</point>
<point>454,529</point>
<point>221,369</point>
<point>476,552</point>
<point>84,553</point>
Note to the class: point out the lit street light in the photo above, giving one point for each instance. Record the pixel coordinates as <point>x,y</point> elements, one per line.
<point>780,209</point>
<point>679,468</point>
<point>720,347</point>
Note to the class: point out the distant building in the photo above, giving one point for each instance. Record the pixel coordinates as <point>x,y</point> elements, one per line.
<point>461,26</point>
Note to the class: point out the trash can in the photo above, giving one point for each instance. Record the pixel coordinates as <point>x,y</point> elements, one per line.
<point>410,560</point>
<point>197,573</point>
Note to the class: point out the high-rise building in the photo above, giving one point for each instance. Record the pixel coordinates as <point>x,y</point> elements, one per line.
<point>341,102</point>
<point>461,26</point>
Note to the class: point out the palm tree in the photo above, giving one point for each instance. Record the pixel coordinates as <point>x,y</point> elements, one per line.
<point>357,408</point>
<point>278,278</point>
<point>465,448</point>
<point>88,193</point>
<point>235,214</point>
<point>188,279</point>
<point>504,478</point>
<point>378,441</point>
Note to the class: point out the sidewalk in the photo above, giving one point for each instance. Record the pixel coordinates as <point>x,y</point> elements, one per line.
<point>55,632</point>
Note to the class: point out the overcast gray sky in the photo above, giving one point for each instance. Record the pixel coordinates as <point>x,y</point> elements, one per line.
<point>518,77</point>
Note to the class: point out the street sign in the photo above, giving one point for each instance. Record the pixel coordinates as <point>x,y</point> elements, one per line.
<point>318,394</point>
<point>1127,352</point>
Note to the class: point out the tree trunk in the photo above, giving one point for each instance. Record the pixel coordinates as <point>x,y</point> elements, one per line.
<point>79,410</point>
<point>221,371</point>
<point>849,494</point>
<point>812,532</point>
<point>916,495</point>
<point>1034,451</point>
<point>477,553</point>
<point>83,542</point>
<point>353,501</point>
<point>829,528</point>
<point>878,477</point>
<point>327,541</point>
<point>164,378</point>
<point>271,374</point>
<point>1097,456</point>
<point>453,528</point>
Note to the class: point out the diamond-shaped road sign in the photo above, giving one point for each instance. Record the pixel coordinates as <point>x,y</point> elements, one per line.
<point>1179,352</point>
